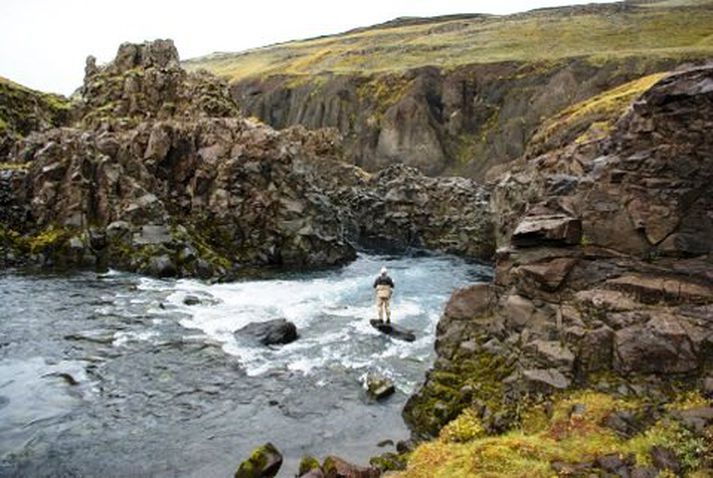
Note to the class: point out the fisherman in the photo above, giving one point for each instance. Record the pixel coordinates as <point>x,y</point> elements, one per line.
<point>384,288</point>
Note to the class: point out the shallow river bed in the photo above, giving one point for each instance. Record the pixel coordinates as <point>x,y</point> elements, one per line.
<point>113,375</point>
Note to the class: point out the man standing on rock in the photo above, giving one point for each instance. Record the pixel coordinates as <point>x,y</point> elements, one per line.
<point>384,288</point>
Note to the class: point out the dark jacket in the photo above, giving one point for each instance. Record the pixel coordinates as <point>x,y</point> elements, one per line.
<point>384,280</point>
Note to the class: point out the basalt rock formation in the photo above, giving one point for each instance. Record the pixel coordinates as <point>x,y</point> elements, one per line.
<point>159,173</point>
<point>603,275</point>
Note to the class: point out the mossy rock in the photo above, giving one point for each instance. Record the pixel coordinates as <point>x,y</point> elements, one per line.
<point>389,461</point>
<point>476,378</point>
<point>264,462</point>
<point>574,435</point>
<point>307,464</point>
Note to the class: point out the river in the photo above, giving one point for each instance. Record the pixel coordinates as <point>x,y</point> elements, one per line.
<point>113,375</point>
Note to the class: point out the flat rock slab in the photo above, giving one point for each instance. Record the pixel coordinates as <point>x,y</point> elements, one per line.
<point>393,330</point>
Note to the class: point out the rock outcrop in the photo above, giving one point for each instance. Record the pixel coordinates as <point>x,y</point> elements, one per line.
<point>462,120</point>
<point>160,174</point>
<point>603,275</point>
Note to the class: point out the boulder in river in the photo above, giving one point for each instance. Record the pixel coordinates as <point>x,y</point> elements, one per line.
<point>264,462</point>
<point>379,386</point>
<point>272,332</point>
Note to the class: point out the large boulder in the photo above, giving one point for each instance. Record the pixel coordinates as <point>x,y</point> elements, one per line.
<point>271,332</point>
<point>661,345</point>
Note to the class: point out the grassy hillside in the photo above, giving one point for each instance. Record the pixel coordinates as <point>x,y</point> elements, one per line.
<point>23,110</point>
<point>669,28</point>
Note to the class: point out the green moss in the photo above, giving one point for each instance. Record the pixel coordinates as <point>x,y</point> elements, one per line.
<point>464,428</point>
<point>592,118</point>
<point>389,461</point>
<point>561,437</point>
<point>658,30</point>
<point>211,243</point>
<point>446,393</point>
<point>254,466</point>
<point>383,92</point>
<point>52,238</point>
<point>307,464</point>
<point>23,110</point>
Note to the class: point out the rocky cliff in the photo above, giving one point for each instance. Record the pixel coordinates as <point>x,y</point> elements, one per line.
<point>603,283</point>
<point>460,95</point>
<point>159,173</point>
<point>461,121</point>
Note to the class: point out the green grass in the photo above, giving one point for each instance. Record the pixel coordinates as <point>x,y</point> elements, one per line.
<point>680,29</point>
<point>591,118</point>
<point>23,110</point>
<point>542,440</point>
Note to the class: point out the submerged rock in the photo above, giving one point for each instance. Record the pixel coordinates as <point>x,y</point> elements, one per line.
<point>264,462</point>
<point>272,332</point>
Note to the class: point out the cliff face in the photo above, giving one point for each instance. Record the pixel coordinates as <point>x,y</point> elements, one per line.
<point>603,282</point>
<point>159,173</point>
<point>463,121</point>
<point>459,95</point>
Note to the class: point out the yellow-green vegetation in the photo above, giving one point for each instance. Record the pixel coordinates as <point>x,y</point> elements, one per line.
<point>384,91</point>
<point>571,432</point>
<point>13,166</point>
<point>48,241</point>
<point>23,110</point>
<point>674,29</point>
<point>464,428</point>
<point>448,392</point>
<point>307,464</point>
<point>52,237</point>
<point>254,466</point>
<point>592,118</point>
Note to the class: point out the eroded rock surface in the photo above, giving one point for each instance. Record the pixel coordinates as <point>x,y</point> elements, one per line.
<point>160,174</point>
<point>603,269</point>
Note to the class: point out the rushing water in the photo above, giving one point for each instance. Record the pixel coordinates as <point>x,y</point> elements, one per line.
<point>113,375</point>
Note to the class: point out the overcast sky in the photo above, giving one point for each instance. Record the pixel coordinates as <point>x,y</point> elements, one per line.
<point>43,43</point>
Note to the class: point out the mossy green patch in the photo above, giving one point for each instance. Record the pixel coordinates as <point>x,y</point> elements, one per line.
<point>23,110</point>
<point>307,464</point>
<point>464,428</point>
<point>592,118</point>
<point>389,461</point>
<point>51,238</point>
<point>565,437</point>
<point>383,91</point>
<point>446,393</point>
<point>255,466</point>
